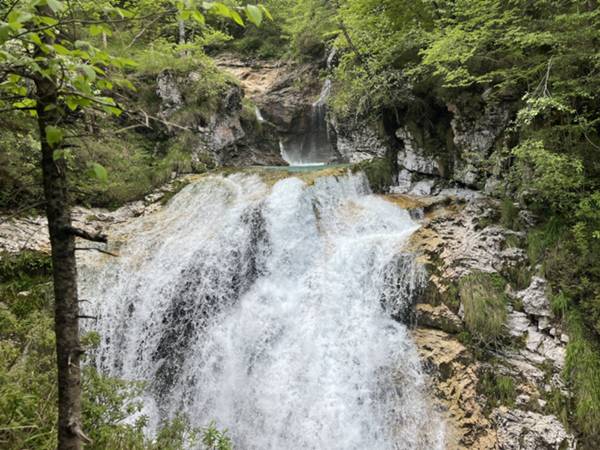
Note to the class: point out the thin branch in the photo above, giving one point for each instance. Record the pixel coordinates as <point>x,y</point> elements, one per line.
<point>87,317</point>
<point>94,237</point>
<point>143,30</point>
<point>16,108</point>
<point>106,252</point>
<point>7,13</point>
<point>130,127</point>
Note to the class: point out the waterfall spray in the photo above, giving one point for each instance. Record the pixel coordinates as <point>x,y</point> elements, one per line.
<point>269,310</point>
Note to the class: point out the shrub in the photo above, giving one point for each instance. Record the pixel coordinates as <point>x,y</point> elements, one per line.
<point>379,172</point>
<point>484,305</point>
<point>582,372</point>
<point>498,389</point>
<point>509,214</point>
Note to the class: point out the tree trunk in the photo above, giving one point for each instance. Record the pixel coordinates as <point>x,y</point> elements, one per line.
<point>66,308</point>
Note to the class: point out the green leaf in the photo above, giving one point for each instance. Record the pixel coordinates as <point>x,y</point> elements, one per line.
<point>99,172</point>
<point>35,38</point>
<point>89,72</point>
<point>54,135</point>
<point>72,102</point>
<point>55,5</point>
<point>96,30</point>
<point>237,18</point>
<point>60,154</point>
<point>266,12</point>
<point>114,110</point>
<point>254,14</point>
<point>51,21</point>
<point>60,49</point>
<point>198,17</point>
<point>5,30</point>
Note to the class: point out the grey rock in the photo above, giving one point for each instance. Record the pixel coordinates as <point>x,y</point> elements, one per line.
<point>544,323</point>
<point>475,133</point>
<point>534,298</point>
<point>541,347</point>
<point>463,246</point>
<point>169,92</point>
<point>359,144</point>
<point>518,323</point>
<point>423,187</point>
<point>413,158</point>
<point>525,430</point>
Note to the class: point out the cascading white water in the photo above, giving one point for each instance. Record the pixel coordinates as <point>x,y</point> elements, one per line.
<point>268,310</point>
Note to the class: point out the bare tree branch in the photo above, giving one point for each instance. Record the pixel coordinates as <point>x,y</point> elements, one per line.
<point>106,252</point>
<point>94,237</point>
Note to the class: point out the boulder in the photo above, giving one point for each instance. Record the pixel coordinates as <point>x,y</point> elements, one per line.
<point>517,323</point>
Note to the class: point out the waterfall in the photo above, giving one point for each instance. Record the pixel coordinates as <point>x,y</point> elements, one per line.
<point>312,146</point>
<point>268,310</point>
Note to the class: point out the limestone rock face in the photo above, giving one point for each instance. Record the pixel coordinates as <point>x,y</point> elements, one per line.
<point>19,234</point>
<point>357,142</point>
<point>540,347</point>
<point>439,317</point>
<point>168,90</point>
<point>462,245</point>
<point>413,157</point>
<point>475,133</point>
<point>526,430</point>
<point>535,299</point>
<point>454,376</point>
<point>517,323</point>
<point>223,137</point>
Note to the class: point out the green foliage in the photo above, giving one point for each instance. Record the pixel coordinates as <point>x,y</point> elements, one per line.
<point>498,389</point>
<point>582,371</point>
<point>20,181</point>
<point>213,439</point>
<point>560,304</point>
<point>485,307</point>
<point>553,180</point>
<point>308,26</point>
<point>509,214</point>
<point>379,172</point>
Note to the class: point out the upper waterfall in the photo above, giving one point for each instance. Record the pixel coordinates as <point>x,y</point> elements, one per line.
<point>268,310</point>
<point>313,146</point>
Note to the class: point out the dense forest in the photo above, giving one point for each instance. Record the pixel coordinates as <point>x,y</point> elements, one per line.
<point>80,124</point>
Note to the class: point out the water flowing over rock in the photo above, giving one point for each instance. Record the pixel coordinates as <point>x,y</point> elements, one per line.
<point>268,310</point>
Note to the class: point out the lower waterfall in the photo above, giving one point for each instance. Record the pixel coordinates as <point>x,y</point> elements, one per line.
<point>268,310</point>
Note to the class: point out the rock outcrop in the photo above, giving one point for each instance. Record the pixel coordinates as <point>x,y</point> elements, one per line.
<point>222,134</point>
<point>453,372</point>
<point>526,430</point>
<point>459,237</point>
